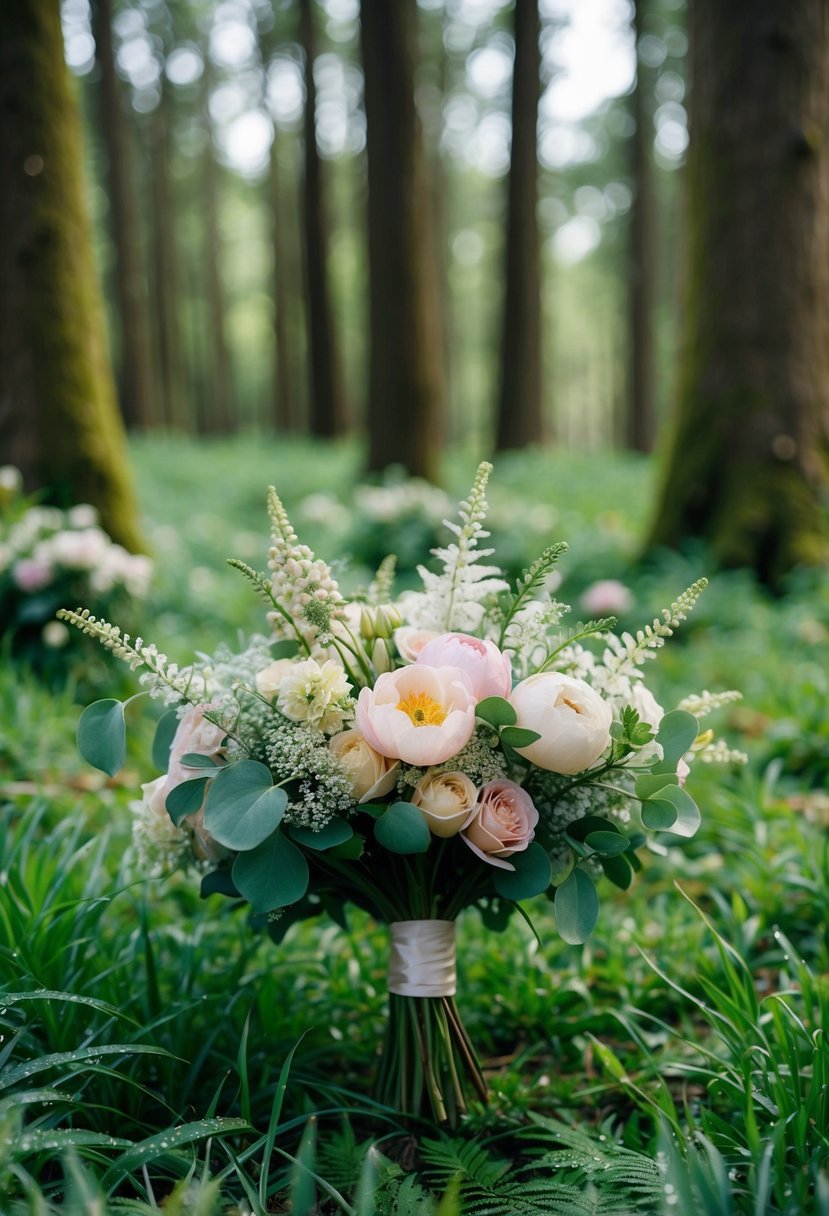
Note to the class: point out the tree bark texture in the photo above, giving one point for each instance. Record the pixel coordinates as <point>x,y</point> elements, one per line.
<point>749,458</point>
<point>59,421</point>
<point>640,404</point>
<point>405,360</point>
<point>520,410</point>
<point>135,368</point>
<point>327,394</point>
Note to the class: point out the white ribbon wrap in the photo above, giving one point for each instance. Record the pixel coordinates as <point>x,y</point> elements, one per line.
<point>422,960</point>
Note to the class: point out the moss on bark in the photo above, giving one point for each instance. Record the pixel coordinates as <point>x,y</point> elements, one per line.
<point>59,421</point>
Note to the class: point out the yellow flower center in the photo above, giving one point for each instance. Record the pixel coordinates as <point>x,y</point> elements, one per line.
<point>422,709</point>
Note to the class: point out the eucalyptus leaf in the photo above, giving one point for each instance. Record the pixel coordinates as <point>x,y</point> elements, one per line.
<point>102,736</point>
<point>609,844</point>
<point>218,882</point>
<point>618,869</point>
<point>580,829</point>
<point>517,736</point>
<point>199,760</point>
<point>688,816</point>
<point>649,784</point>
<point>677,734</point>
<point>659,814</point>
<point>271,875</point>
<point>403,829</point>
<point>530,877</point>
<point>576,907</point>
<point>334,833</point>
<point>243,805</point>
<point>165,732</point>
<point>185,799</point>
<point>497,711</point>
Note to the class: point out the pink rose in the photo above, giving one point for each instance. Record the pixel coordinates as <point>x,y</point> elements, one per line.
<point>194,734</point>
<point>488,670</point>
<point>410,641</point>
<point>422,715</point>
<point>502,823</point>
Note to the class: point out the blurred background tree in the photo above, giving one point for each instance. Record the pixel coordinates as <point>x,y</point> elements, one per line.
<point>303,203</point>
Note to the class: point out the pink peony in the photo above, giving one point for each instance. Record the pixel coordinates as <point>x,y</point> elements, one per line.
<point>502,823</point>
<point>422,715</point>
<point>488,670</point>
<point>572,719</point>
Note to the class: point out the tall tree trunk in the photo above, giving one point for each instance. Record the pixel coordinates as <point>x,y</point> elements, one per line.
<point>167,273</point>
<point>520,411</point>
<point>327,395</point>
<point>284,403</point>
<point>405,397</point>
<point>640,405</point>
<point>135,369</point>
<point>220,414</point>
<point>749,457</point>
<point>59,421</point>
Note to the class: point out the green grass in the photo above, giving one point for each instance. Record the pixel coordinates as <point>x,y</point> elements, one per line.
<point>677,1062</point>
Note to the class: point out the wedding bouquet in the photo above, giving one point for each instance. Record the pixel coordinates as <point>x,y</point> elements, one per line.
<point>414,756</point>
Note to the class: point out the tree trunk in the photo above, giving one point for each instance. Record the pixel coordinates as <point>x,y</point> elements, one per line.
<point>59,421</point>
<point>327,395</point>
<point>284,405</point>
<point>220,414</point>
<point>520,412</point>
<point>640,405</point>
<point>405,396</point>
<point>135,370</point>
<point>749,458</point>
<point>167,273</point>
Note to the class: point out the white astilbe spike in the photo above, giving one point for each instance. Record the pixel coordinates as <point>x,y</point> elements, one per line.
<point>454,599</point>
<point>163,678</point>
<point>718,752</point>
<point>705,702</point>
<point>303,587</point>
<point>624,655</point>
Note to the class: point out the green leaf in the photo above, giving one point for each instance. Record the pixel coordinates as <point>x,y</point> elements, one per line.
<point>334,833</point>
<point>496,711</point>
<point>218,882</point>
<point>285,649</point>
<point>402,829</point>
<point>577,907</point>
<point>530,877</point>
<point>650,784</point>
<point>609,844</point>
<point>688,817</point>
<point>658,814</point>
<point>580,829</point>
<point>185,799</point>
<point>677,733</point>
<point>272,875</point>
<point>154,1147</point>
<point>351,850</point>
<point>243,805</point>
<point>102,736</point>
<point>618,869</point>
<point>517,736</point>
<point>199,760</point>
<point>165,732</point>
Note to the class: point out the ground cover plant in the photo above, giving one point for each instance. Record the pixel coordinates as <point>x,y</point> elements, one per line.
<point>676,1062</point>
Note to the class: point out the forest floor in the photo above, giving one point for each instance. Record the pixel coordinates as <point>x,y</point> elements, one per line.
<point>154,1050</point>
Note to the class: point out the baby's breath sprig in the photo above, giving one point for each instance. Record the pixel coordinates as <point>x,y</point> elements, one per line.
<point>137,654</point>
<point>530,582</point>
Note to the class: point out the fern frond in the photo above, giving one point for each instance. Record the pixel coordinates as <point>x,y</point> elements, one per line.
<point>530,582</point>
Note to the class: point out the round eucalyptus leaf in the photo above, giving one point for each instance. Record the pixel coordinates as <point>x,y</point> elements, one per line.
<point>102,736</point>
<point>271,875</point>
<point>577,907</point>
<point>403,829</point>
<point>531,876</point>
<point>243,805</point>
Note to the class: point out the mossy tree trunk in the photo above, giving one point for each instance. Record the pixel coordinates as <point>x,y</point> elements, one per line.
<point>59,422</point>
<point>326,390</point>
<point>749,457</point>
<point>520,410</point>
<point>405,396</point>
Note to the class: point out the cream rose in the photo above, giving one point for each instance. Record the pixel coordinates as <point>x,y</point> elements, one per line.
<point>488,670</point>
<point>445,800</point>
<point>570,716</point>
<point>502,823</point>
<point>422,715</point>
<point>372,775</point>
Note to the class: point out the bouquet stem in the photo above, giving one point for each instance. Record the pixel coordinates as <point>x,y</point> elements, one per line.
<point>428,1066</point>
